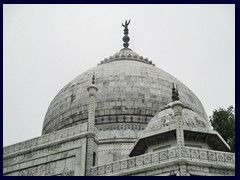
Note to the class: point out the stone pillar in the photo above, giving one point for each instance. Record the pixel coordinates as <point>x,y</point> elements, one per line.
<point>92,90</point>
<point>177,107</point>
<point>91,145</point>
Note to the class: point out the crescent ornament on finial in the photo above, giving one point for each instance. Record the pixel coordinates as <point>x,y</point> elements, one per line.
<point>126,38</point>
<point>126,23</point>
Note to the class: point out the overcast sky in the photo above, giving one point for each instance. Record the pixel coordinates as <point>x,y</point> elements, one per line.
<point>46,46</point>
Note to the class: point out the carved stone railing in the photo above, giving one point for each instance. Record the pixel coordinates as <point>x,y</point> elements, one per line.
<point>45,139</point>
<point>159,157</point>
<point>135,162</point>
<point>210,155</point>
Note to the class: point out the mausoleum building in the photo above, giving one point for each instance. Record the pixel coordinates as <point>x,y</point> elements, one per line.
<point>123,117</point>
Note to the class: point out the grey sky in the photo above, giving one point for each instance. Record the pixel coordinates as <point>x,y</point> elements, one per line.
<point>46,46</point>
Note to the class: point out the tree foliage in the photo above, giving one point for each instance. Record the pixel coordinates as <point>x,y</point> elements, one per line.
<point>223,121</point>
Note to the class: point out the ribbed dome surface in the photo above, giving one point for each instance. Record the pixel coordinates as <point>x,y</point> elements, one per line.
<point>130,92</point>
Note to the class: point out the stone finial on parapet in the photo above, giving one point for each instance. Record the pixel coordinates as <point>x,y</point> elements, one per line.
<point>93,79</point>
<point>177,106</point>
<point>92,89</point>
<point>175,94</point>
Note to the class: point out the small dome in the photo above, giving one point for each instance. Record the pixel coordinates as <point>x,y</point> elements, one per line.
<point>164,125</point>
<point>164,120</point>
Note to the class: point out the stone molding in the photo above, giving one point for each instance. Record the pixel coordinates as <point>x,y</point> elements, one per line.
<point>163,156</point>
<point>126,54</point>
<point>209,155</point>
<point>138,161</point>
<point>44,140</point>
<point>208,171</point>
<point>41,153</point>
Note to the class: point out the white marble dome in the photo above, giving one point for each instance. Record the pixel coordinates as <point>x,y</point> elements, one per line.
<point>131,90</point>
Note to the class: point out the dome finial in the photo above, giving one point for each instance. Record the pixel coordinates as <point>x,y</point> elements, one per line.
<point>126,38</point>
<point>175,94</point>
<point>93,79</point>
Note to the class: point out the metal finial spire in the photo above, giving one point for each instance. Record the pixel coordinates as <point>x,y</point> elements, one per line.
<point>126,38</point>
<point>93,79</point>
<point>175,94</point>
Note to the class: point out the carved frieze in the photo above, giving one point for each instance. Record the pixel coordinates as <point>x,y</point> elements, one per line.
<point>210,155</point>
<point>116,166</point>
<point>124,164</point>
<point>132,163</point>
<point>155,157</point>
<point>210,170</point>
<point>101,170</point>
<point>139,161</point>
<point>41,170</point>
<point>45,139</point>
<point>108,168</point>
<point>147,159</point>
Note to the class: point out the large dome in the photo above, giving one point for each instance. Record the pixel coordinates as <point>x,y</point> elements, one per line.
<point>131,90</point>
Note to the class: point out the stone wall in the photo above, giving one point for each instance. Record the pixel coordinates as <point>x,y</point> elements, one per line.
<point>108,153</point>
<point>60,153</point>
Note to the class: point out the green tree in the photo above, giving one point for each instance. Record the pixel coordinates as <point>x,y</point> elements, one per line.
<point>223,121</point>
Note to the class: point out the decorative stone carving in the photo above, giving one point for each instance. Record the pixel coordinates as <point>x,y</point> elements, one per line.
<point>197,168</point>
<point>194,154</point>
<point>77,130</point>
<point>203,155</point>
<point>52,137</point>
<point>163,155</point>
<point>109,168</point>
<point>64,133</point>
<point>58,135</point>
<point>147,159</point>
<point>186,153</point>
<point>5,150</point>
<point>45,139</point>
<point>68,173</point>
<point>34,142</point>
<point>94,171</point>
<point>22,146</point>
<point>183,170</point>
<point>116,166</point>
<point>124,164</point>
<point>90,150</point>
<point>155,157</point>
<point>11,149</point>
<point>211,156</point>
<point>40,140</point>
<point>230,158</point>
<point>101,170</point>
<point>171,153</point>
<point>41,170</point>
<point>139,161</point>
<point>220,157</point>
<point>131,163</point>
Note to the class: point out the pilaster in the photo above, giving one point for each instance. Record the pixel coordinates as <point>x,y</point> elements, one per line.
<point>91,145</point>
